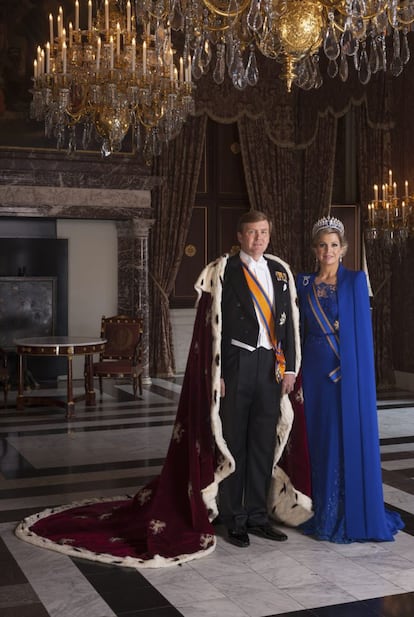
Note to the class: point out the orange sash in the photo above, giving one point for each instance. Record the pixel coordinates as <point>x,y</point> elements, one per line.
<point>265,310</point>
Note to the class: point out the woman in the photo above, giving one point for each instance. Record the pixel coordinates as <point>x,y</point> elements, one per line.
<point>340,397</point>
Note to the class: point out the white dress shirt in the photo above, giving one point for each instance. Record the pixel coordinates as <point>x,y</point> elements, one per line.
<point>260,270</point>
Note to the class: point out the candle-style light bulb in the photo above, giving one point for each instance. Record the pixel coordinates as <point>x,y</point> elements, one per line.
<point>98,54</point>
<point>64,58</point>
<point>128,8</point>
<point>48,57</point>
<point>89,15</point>
<point>134,54</point>
<point>106,15</point>
<point>51,35</point>
<point>76,14</point>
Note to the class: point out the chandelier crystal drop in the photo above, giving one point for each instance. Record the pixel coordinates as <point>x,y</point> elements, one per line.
<point>119,73</point>
<point>363,35</point>
<point>124,71</point>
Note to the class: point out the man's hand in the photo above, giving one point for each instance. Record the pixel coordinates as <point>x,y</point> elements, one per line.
<point>288,383</point>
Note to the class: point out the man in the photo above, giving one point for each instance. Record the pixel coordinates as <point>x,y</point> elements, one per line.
<point>169,521</point>
<point>258,365</point>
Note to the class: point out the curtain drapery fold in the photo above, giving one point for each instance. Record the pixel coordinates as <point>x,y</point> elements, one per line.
<point>374,160</point>
<point>178,166</point>
<point>287,184</point>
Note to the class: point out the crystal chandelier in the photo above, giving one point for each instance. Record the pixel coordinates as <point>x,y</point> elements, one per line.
<point>390,218</point>
<point>123,72</point>
<point>295,33</point>
<point>119,73</point>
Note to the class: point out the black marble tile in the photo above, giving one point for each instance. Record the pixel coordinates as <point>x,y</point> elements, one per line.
<point>25,610</point>
<point>11,574</point>
<point>401,605</point>
<point>349,609</point>
<point>89,429</point>
<point>165,611</point>
<point>129,597</point>
<point>125,590</point>
<point>170,394</point>
<point>75,487</point>
<point>304,613</point>
<point>11,516</point>
<point>55,471</point>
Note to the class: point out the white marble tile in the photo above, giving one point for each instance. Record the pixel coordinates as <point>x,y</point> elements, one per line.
<point>373,588</point>
<point>402,463</point>
<point>399,499</point>
<point>401,578</point>
<point>262,603</point>
<point>403,545</point>
<point>396,447</point>
<point>385,563</point>
<point>297,576</point>
<point>183,585</point>
<point>60,586</point>
<point>254,594</point>
<point>93,447</point>
<point>396,422</point>
<point>359,581</point>
<point>359,549</point>
<point>218,564</point>
<point>322,594</point>
<point>167,385</point>
<point>44,501</point>
<point>212,608</point>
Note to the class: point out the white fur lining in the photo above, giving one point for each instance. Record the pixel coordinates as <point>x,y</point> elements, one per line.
<point>285,502</point>
<point>23,532</point>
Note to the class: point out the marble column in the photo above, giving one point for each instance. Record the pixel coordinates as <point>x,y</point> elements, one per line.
<point>133,292</point>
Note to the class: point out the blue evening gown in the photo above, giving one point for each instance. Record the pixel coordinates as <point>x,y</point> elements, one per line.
<point>323,412</point>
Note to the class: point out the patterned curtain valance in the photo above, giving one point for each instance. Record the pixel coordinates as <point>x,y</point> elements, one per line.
<point>291,119</point>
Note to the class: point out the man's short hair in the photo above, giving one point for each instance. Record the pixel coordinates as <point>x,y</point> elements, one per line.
<point>253,216</point>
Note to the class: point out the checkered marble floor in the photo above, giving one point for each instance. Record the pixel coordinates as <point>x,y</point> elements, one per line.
<point>119,445</point>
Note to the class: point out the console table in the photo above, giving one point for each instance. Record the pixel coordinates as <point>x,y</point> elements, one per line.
<point>67,346</point>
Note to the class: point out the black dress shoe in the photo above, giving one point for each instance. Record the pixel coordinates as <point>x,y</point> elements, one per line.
<point>269,532</point>
<point>238,537</point>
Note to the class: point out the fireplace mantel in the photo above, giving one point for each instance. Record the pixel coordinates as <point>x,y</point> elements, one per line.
<point>52,185</point>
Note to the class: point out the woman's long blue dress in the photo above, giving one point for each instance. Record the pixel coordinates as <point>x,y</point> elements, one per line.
<point>341,416</point>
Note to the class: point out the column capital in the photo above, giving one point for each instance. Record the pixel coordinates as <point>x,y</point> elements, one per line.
<point>134,227</point>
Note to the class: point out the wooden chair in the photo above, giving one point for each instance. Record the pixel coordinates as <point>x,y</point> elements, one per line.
<point>121,357</point>
<point>4,375</point>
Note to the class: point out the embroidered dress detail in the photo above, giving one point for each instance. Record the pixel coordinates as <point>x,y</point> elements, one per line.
<point>327,328</point>
<point>265,310</point>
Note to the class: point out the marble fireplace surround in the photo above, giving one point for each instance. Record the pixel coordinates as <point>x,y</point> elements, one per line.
<point>51,184</point>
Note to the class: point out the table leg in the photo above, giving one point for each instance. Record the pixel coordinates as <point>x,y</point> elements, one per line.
<point>90,397</point>
<point>70,404</point>
<point>20,391</point>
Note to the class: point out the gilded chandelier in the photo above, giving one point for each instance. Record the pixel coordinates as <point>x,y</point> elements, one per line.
<point>350,33</point>
<point>390,217</point>
<point>121,72</point>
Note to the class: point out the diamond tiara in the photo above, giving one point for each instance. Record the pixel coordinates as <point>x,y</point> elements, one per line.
<point>328,222</point>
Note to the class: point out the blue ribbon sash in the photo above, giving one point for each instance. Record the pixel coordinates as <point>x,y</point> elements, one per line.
<point>328,330</point>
